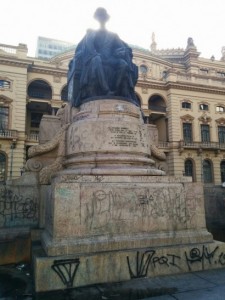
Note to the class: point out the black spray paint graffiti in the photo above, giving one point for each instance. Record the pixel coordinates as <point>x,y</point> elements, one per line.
<point>144,260</point>
<point>204,256</point>
<point>139,267</point>
<point>66,269</point>
<point>17,209</point>
<point>118,207</point>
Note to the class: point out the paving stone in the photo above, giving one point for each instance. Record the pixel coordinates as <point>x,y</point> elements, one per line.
<point>184,282</point>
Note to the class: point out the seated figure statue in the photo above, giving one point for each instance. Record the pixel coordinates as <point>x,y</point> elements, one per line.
<point>102,66</point>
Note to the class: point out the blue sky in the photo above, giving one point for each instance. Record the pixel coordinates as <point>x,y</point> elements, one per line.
<point>173,21</point>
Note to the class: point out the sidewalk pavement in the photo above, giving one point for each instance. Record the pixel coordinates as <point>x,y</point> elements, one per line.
<point>16,283</point>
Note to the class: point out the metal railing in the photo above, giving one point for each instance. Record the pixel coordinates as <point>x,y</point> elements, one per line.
<point>8,49</point>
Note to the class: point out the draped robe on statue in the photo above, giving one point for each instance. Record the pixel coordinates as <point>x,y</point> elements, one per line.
<point>102,66</point>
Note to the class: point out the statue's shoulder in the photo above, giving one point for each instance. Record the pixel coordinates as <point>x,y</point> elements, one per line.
<point>91,32</point>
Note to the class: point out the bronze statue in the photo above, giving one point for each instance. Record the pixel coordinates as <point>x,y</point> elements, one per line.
<point>102,66</point>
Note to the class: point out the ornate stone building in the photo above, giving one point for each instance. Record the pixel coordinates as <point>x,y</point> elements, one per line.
<point>182,94</point>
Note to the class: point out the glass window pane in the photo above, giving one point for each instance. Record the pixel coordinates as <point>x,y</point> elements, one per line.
<point>221,134</point>
<point>222,171</point>
<point>207,171</point>
<point>187,132</point>
<point>205,134</point>
<point>35,119</point>
<point>4,117</point>
<point>188,168</point>
<point>203,107</point>
<point>186,105</point>
<point>220,108</point>
<point>2,167</point>
<point>143,69</point>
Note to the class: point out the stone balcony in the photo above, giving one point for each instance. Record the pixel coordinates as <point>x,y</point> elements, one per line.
<point>8,134</point>
<point>216,146</point>
<point>32,137</point>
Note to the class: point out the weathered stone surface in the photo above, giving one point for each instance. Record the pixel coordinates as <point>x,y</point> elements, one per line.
<point>49,127</point>
<point>107,219</point>
<point>14,245</point>
<point>125,265</point>
<point>19,205</point>
<point>91,214</point>
<point>109,137</point>
<point>19,212</point>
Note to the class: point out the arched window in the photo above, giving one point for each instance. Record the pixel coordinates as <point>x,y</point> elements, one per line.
<point>188,168</point>
<point>207,171</point>
<point>222,170</point>
<point>64,93</point>
<point>157,103</point>
<point>2,167</point>
<point>39,89</point>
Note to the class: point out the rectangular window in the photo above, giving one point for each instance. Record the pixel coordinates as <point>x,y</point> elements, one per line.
<point>205,133</point>
<point>221,134</point>
<point>4,118</point>
<point>220,108</point>
<point>221,74</point>
<point>35,120</point>
<point>187,132</point>
<point>186,105</point>
<point>203,106</point>
<point>203,71</point>
<point>4,84</point>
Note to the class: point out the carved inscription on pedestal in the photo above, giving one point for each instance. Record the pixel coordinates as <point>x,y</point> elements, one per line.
<point>125,137</point>
<point>104,136</point>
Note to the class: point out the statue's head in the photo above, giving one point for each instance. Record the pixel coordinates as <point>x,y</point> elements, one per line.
<point>101,15</point>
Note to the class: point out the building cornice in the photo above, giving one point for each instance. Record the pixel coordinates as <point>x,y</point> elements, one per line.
<point>181,86</point>
<point>16,63</point>
<point>49,71</point>
<point>195,87</point>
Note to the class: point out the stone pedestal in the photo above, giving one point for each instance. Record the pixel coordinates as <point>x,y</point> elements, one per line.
<point>107,219</point>
<point>89,214</point>
<point>109,137</point>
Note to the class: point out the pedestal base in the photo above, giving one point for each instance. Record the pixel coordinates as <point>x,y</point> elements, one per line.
<point>115,228</point>
<point>116,266</point>
<point>88,214</point>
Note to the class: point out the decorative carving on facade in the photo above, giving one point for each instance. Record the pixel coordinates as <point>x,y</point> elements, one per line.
<point>220,121</point>
<point>205,119</point>
<point>187,118</point>
<point>144,90</point>
<point>57,79</point>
